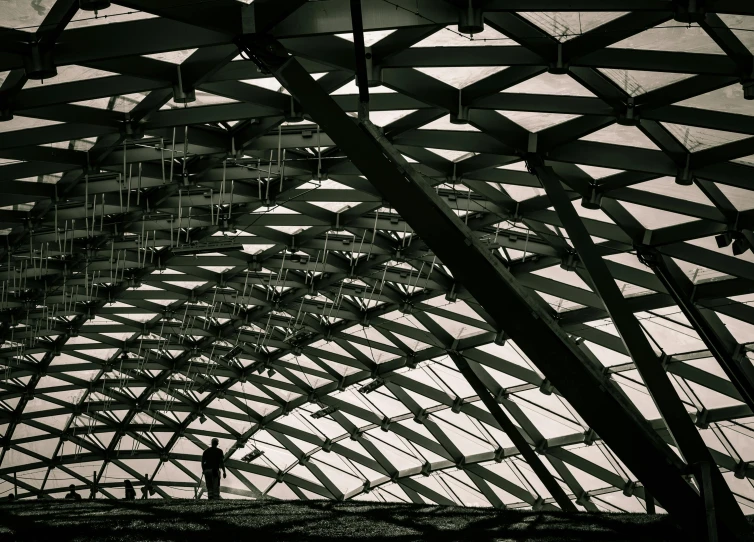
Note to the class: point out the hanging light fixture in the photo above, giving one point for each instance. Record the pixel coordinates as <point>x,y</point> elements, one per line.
<point>39,64</point>
<point>94,5</point>
<point>324,412</point>
<point>748,87</point>
<point>689,11</point>
<point>6,113</point>
<point>182,94</point>
<point>461,116</point>
<point>373,385</point>
<point>629,116</point>
<point>252,455</point>
<point>740,246</point>
<point>593,200</point>
<point>724,239</point>
<point>470,19</point>
<point>684,176</point>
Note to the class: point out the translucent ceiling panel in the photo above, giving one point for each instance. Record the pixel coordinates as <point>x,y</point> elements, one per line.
<point>616,134</point>
<point>635,82</point>
<point>567,25</point>
<point>672,37</point>
<point>547,83</point>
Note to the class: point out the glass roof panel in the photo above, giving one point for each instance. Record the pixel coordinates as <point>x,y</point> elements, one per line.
<point>672,36</point>
<point>566,25</point>
<point>461,76</point>
<point>635,82</point>
<point>450,37</point>
<point>548,83</point>
<point>699,139</point>
<point>616,134</point>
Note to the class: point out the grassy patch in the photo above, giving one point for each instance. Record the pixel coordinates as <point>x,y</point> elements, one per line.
<point>325,521</point>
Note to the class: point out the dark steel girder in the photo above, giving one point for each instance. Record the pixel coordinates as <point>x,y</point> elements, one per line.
<point>595,398</point>
<point>116,40</point>
<point>686,436</point>
<point>513,432</point>
<point>726,350</point>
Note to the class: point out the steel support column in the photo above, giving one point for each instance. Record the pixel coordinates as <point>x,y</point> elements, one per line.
<point>686,436</point>
<point>513,433</point>
<point>594,396</point>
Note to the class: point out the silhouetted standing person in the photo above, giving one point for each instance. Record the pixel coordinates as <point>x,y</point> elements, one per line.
<point>130,491</point>
<point>213,460</point>
<point>72,495</point>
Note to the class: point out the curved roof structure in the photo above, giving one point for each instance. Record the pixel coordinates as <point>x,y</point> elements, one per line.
<point>197,245</point>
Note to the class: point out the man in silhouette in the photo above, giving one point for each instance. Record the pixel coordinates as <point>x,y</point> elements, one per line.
<point>72,495</point>
<point>213,460</point>
<point>130,491</point>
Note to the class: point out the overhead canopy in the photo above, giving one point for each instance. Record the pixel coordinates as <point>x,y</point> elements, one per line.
<point>187,255</point>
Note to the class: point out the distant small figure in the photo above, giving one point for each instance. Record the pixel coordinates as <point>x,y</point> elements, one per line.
<point>130,491</point>
<point>213,460</point>
<point>147,489</point>
<point>72,495</point>
<point>11,497</point>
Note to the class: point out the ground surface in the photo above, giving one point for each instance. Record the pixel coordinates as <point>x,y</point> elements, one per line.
<point>224,521</point>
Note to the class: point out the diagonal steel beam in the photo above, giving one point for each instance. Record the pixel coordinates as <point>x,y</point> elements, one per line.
<point>55,22</point>
<point>688,439</point>
<point>595,397</point>
<point>707,324</point>
<point>513,433</point>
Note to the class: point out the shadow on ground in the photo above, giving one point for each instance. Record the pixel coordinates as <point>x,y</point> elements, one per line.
<point>325,521</point>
